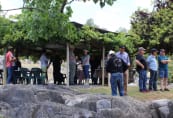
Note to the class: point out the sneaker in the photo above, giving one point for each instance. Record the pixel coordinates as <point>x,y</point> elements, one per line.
<point>166,89</point>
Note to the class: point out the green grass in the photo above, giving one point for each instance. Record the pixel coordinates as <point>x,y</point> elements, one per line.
<point>132,91</point>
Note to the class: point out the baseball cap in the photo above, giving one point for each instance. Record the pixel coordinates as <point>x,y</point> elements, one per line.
<point>154,50</point>
<point>111,52</point>
<point>162,50</point>
<point>122,47</point>
<point>141,48</point>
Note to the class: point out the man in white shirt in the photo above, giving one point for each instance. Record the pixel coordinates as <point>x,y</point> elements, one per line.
<point>44,64</point>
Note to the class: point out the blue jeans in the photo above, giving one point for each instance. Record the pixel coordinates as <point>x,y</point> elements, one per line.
<point>142,80</point>
<point>86,71</point>
<point>117,82</point>
<point>153,80</point>
<point>9,74</point>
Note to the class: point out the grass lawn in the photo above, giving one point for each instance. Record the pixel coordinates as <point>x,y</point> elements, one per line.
<point>132,91</point>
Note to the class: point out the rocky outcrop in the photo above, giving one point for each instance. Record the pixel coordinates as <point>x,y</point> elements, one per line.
<point>51,101</point>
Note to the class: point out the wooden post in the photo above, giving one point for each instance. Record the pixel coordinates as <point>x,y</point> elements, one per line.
<point>4,68</point>
<point>103,66</point>
<point>67,58</point>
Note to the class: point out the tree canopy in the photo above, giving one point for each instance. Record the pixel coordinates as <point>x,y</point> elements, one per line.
<point>42,22</point>
<point>155,28</point>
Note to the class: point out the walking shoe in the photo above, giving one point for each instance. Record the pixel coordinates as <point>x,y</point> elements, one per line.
<point>145,91</point>
<point>161,90</point>
<point>125,94</point>
<point>166,89</point>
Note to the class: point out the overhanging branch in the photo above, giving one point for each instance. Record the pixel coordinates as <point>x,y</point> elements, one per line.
<point>30,8</point>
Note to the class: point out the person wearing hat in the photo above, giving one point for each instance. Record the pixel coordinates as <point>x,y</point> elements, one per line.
<point>125,57</point>
<point>141,67</point>
<point>10,59</point>
<point>163,70</point>
<point>86,65</point>
<point>116,67</point>
<point>153,67</point>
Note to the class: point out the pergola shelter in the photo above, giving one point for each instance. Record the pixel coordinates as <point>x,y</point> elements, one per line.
<point>63,47</point>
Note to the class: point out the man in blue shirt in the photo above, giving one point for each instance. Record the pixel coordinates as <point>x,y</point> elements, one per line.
<point>163,70</point>
<point>125,57</point>
<point>153,67</point>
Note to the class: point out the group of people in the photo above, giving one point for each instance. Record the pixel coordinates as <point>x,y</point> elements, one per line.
<point>118,64</point>
<point>74,62</point>
<point>156,66</point>
<point>56,61</point>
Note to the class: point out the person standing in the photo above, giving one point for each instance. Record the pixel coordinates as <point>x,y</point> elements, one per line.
<point>10,59</point>
<point>141,69</point>
<point>72,65</point>
<point>56,62</point>
<point>116,66</point>
<point>163,70</point>
<point>86,66</point>
<point>153,68</point>
<point>125,57</point>
<point>44,64</point>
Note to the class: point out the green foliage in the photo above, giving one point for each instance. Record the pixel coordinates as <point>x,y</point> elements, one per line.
<point>43,21</point>
<point>47,22</point>
<point>5,26</point>
<point>155,28</point>
<point>103,2</point>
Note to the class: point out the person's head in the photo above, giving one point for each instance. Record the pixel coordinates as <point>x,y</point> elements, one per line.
<point>44,51</point>
<point>141,50</point>
<point>85,51</point>
<point>111,53</point>
<point>154,51</point>
<point>122,48</point>
<point>162,51</point>
<point>10,48</point>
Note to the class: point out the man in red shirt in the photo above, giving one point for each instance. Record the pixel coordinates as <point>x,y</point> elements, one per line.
<point>9,64</point>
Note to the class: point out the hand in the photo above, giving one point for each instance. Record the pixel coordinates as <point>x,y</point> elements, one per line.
<point>142,66</point>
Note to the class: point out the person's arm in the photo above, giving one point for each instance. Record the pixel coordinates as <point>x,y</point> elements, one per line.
<point>12,58</point>
<point>49,63</point>
<point>128,61</point>
<point>125,66</point>
<point>163,61</point>
<point>139,64</point>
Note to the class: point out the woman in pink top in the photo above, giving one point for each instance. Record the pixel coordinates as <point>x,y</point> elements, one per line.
<point>9,62</point>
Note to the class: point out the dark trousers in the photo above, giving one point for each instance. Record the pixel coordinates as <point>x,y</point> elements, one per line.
<point>153,80</point>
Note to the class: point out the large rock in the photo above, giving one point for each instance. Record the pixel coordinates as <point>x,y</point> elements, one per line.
<point>52,101</point>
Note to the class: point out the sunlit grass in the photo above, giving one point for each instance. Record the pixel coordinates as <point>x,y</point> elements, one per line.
<point>132,91</point>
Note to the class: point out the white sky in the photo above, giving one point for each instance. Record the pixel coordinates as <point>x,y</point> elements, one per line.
<point>109,17</point>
